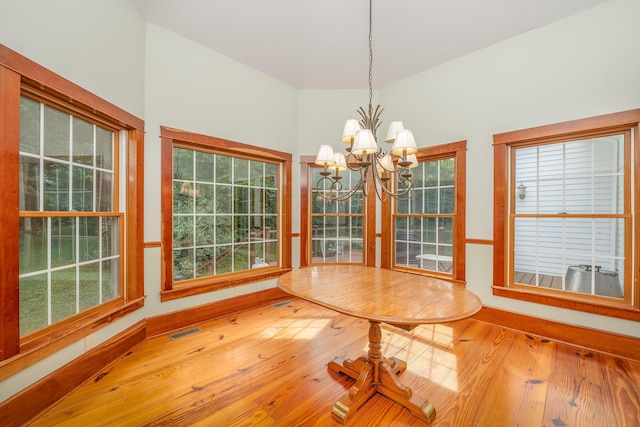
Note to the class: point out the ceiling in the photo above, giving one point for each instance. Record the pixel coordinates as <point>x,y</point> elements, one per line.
<point>323,44</point>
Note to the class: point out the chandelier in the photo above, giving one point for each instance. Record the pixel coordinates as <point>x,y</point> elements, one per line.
<point>366,157</point>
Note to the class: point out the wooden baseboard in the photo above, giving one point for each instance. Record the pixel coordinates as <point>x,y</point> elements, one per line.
<point>177,320</point>
<point>23,407</point>
<point>601,341</point>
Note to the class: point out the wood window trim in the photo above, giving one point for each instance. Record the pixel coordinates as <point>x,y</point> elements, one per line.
<point>18,74</point>
<point>170,136</point>
<point>457,150</point>
<point>306,188</point>
<point>560,131</point>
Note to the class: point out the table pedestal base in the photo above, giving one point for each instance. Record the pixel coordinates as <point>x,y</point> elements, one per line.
<point>377,374</point>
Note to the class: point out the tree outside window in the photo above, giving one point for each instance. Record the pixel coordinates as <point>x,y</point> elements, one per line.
<point>224,220</point>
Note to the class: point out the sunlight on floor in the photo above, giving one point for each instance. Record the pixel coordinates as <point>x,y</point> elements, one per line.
<point>302,329</point>
<point>427,352</point>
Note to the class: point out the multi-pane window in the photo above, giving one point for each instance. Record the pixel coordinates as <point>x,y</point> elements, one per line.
<point>225,214</point>
<point>337,227</point>
<point>70,227</point>
<point>570,219</point>
<point>225,211</point>
<point>566,214</point>
<point>424,223</point>
<point>72,236</point>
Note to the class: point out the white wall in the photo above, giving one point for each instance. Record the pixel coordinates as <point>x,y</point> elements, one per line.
<point>96,44</point>
<point>193,88</point>
<point>582,66</point>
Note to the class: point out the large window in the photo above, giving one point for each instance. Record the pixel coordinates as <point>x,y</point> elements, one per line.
<point>70,221</point>
<point>227,213</point>
<point>427,229</point>
<point>569,201</point>
<point>72,250</point>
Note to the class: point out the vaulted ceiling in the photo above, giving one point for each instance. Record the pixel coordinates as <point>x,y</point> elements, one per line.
<point>323,44</point>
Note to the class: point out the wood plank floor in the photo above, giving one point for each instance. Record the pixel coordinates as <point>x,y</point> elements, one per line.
<point>268,367</point>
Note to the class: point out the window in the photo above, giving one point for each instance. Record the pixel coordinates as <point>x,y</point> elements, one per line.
<point>70,221</point>
<point>569,203</point>
<point>225,213</point>
<point>72,248</point>
<point>427,231</point>
<point>337,227</point>
<point>334,231</point>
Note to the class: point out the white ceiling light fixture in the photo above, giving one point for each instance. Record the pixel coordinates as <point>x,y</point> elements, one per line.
<point>365,156</point>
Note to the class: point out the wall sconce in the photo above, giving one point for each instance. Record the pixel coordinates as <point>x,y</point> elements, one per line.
<point>521,191</point>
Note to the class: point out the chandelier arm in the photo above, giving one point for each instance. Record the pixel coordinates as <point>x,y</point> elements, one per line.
<point>322,192</point>
<point>404,194</point>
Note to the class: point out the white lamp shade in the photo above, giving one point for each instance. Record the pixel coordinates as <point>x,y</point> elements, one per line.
<point>414,161</point>
<point>385,164</point>
<point>364,143</point>
<point>404,144</point>
<point>394,128</point>
<point>325,156</point>
<point>351,127</point>
<point>341,163</point>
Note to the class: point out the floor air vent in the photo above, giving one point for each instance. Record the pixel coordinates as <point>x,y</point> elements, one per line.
<point>184,333</point>
<point>281,303</point>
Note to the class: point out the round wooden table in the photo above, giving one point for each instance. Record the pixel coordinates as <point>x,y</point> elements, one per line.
<point>379,295</point>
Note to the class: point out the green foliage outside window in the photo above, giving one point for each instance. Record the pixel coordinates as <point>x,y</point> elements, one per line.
<point>225,214</point>
<point>68,263</point>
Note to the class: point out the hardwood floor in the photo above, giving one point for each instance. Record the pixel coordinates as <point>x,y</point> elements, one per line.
<point>268,367</point>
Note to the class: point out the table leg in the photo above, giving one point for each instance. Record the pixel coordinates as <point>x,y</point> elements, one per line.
<point>375,373</point>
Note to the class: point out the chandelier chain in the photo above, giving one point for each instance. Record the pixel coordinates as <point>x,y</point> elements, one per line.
<point>370,53</point>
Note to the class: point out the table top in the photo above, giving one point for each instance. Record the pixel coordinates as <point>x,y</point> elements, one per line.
<point>381,295</point>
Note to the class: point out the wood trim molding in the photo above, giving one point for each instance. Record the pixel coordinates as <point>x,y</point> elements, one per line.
<point>565,301</point>
<point>479,241</point>
<point>25,406</point>
<point>210,284</point>
<point>603,122</point>
<point>38,76</point>
<point>152,244</point>
<point>305,219</point>
<point>161,324</point>
<point>10,224</point>
<point>601,341</point>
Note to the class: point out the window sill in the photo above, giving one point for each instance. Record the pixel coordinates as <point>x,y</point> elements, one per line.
<point>210,284</point>
<point>38,346</point>
<point>619,312</point>
<point>431,273</point>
